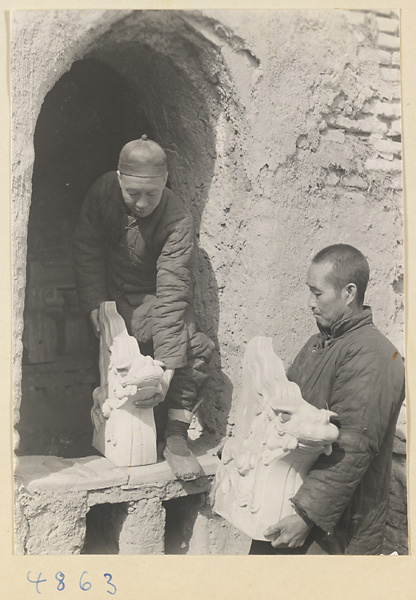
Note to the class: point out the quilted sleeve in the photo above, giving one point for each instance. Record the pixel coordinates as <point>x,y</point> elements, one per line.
<point>366,395</point>
<point>174,293</point>
<point>89,251</point>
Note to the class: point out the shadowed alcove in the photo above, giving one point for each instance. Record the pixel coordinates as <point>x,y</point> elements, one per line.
<point>127,84</point>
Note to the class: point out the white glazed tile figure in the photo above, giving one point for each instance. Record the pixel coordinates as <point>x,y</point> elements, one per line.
<point>123,432</point>
<point>278,437</point>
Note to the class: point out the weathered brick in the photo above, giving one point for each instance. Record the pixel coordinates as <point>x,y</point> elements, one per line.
<point>387,25</point>
<point>395,128</point>
<point>391,42</point>
<point>374,55</point>
<point>329,159</point>
<point>386,13</point>
<point>380,164</point>
<point>390,74</point>
<point>387,109</point>
<point>386,155</point>
<point>334,135</point>
<point>354,181</point>
<point>396,93</point>
<point>391,110</point>
<point>355,17</point>
<point>370,106</point>
<point>387,146</point>
<point>370,125</point>
<point>395,58</point>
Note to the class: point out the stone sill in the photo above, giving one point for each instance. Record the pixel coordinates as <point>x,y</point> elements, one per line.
<point>54,496</point>
<point>99,477</point>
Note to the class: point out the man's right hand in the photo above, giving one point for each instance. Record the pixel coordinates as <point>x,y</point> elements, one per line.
<point>158,398</point>
<point>94,316</point>
<point>291,531</point>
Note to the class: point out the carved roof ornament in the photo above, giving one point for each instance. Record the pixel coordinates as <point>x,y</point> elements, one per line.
<point>278,437</point>
<point>124,432</point>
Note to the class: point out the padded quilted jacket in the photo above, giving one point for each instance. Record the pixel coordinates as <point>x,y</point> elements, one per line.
<point>118,256</point>
<point>357,373</point>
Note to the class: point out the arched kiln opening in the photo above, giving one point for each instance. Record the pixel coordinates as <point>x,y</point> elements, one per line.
<point>121,89</point>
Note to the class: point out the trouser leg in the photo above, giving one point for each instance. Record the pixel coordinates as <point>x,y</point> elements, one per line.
<point>174,414</point>
<point>188,380</point>
<point>180,401</point>
<point>182,395</point>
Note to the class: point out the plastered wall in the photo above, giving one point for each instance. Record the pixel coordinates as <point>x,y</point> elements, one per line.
<point>283,135</point>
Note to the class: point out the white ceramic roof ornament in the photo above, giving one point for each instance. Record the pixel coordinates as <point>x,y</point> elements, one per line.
<point>124,432</point>
<point>278,437</point>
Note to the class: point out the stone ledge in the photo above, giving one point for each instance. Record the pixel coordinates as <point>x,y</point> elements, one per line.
<point>93,473</point>
<point>160,472</point>
<point>165,490</point>
<point>51,473</point>
<point>54,495</point>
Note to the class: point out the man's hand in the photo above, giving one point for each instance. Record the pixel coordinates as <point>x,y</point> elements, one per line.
<point>157,398</point>
<point>94,316</point>
<point>166,379</point>
<point>289,532</point>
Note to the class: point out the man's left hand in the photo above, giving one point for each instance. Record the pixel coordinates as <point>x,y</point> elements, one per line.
<point>158,398</point>
<point>289,532</point>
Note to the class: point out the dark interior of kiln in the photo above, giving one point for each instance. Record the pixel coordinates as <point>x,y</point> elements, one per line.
<point>85,119</point>
<point>90,113</point>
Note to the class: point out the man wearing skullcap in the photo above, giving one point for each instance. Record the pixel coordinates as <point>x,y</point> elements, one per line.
<point>133,244</point>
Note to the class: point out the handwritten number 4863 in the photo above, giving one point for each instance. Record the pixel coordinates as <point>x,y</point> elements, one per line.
<point>84,584</point>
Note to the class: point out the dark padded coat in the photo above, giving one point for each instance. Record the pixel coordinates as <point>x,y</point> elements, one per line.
<point>357,373</point>
<point>127,259</point>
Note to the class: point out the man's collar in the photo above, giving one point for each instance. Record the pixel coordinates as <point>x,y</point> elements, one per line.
<point>364,317</point>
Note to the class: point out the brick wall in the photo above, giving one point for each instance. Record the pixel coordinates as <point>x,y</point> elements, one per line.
<point>375,125</point>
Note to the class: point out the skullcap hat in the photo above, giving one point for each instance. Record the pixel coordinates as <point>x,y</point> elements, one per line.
<point>142,158</point>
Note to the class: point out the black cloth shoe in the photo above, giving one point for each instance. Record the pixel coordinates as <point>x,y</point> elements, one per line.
<point>177,453</point>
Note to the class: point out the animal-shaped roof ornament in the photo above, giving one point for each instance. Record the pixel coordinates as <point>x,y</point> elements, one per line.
<point>278,437</point>
<point>124,432</point>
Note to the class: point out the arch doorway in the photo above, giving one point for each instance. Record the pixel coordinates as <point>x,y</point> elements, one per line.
<point>116,92</point>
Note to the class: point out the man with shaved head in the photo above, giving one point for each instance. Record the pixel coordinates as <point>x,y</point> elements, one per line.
<point>133,244</point>
<point>352,369</point>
